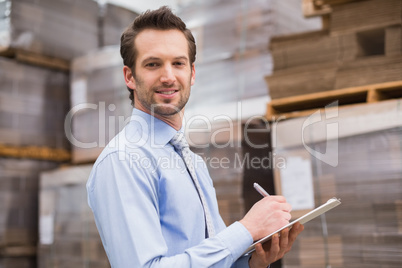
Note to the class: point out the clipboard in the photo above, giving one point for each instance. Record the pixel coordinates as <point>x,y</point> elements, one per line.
<point>330,204</point>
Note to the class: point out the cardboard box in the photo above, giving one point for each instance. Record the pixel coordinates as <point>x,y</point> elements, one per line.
<point>60,29</point>
<point>33,104</point>
<point>67,231</point>
<point>365,229</point>
<point>19,180</point>
<point>100,103</point>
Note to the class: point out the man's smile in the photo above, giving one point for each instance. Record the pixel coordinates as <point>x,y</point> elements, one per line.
<point>166,92</point>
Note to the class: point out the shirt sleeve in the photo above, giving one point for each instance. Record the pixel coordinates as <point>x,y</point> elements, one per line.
<point>242,262</point>
<point>125,205</point>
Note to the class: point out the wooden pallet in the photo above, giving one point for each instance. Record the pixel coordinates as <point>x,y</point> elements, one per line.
<point>313,8</point>
<point>319,3</point>
<point>35,152</point>
<point>310,9</point>
<point>35,59</point>
<point>304,105</point>
<point>18,251</point>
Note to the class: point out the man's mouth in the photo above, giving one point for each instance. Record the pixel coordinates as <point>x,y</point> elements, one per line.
<point>168,92</point>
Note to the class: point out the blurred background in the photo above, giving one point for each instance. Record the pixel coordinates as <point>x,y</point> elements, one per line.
<point>301,96</point>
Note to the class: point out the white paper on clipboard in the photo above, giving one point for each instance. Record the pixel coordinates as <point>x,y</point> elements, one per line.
<point>330,204</point>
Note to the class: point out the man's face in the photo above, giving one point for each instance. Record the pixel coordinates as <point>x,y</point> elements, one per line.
<point>163,74</point>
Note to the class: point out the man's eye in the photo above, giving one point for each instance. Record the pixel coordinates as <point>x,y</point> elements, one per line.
<point>152,64</point>
<point>179,63</point>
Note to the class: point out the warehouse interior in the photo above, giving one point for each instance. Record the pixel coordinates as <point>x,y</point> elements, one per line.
<point>303,97</point>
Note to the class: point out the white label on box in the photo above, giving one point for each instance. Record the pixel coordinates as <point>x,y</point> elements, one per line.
<point>297,183</point>
<point>5,38</point>
<point>46,223</point>
<point>79,91</point>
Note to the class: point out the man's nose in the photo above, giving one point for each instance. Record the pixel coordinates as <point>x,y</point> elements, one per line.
<point>168,76</point>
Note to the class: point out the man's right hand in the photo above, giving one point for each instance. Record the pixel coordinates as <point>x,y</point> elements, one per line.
<point>266,216</point>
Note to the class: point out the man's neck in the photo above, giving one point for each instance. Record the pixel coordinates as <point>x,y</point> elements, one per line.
<point>175,120</point>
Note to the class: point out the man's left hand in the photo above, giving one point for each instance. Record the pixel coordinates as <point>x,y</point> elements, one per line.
<point>272,251</point>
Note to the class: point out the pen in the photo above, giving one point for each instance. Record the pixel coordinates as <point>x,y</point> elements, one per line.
<point>260,190</point>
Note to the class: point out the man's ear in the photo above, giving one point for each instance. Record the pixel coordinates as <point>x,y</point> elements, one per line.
<point>128,77</point>
<point>192,74</point>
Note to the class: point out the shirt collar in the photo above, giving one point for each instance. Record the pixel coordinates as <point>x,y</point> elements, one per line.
<point>154,129</point>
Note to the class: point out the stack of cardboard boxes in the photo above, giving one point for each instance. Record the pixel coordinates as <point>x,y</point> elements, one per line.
<point>361,45</point>
<point>349,151</point>
<point>61,29</point>
<point>38,41</point>
<point>232,38</point>
<point>34,101</point>
<point>68,234</point>
<point>99,100</point>
<point>19,182</point>
<point>363,170</point>
<point>100,108</point>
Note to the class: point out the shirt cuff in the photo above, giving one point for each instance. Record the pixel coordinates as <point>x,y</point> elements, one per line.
<point>242,262</point>
<point>236,238</point>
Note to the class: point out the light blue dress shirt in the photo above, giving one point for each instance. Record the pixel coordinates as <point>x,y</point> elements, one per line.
<point>147,209</point>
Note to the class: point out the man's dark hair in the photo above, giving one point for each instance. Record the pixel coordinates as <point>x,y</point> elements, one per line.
<point>160,19</point>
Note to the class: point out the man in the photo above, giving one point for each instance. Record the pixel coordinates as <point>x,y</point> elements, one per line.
<point>153,206</point>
